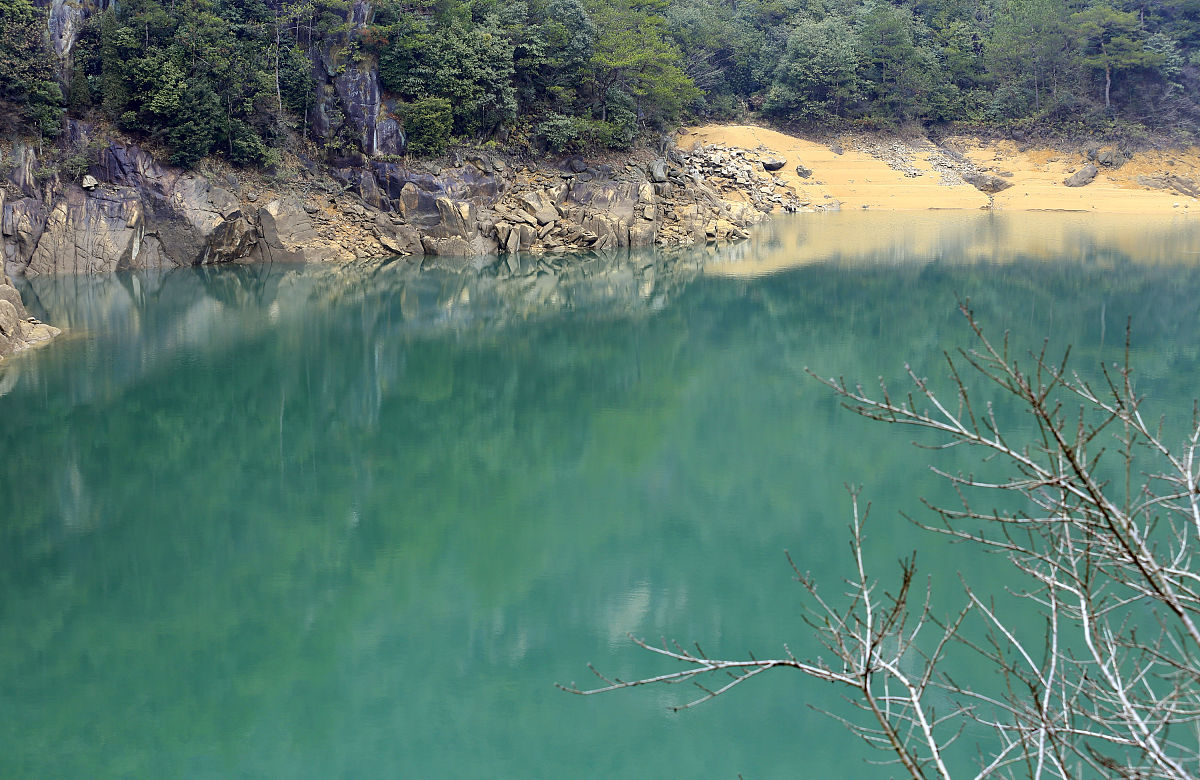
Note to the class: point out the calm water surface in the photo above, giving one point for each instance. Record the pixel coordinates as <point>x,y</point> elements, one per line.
<point>356,522</point>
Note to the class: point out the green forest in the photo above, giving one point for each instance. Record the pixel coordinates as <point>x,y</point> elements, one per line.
<point>237,78</point>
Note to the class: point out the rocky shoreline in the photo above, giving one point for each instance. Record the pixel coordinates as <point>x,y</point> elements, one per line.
<point>476,210</point>
<point>514,217</point>
<point>18,330</point>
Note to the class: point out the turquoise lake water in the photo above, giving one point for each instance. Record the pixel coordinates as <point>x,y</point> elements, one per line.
<point>357,521</point>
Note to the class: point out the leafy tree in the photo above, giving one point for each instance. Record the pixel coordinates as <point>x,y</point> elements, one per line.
<point>429,122</point>
<point>818,74</point>
<point>1025,53</point>
<point>1112,41</point>
<point>198,127</point>
<point>28,89</point>
<point>470,66</point>
<point>296,81</point>
<point>635,56</point>
<point>552,49</point>
<point>901,77</point>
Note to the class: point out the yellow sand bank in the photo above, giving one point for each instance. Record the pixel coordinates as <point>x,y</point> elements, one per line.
<point>907,176</point>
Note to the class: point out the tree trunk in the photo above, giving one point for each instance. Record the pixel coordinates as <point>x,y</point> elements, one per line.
<point>1107,75</point>
<point>278,91</point>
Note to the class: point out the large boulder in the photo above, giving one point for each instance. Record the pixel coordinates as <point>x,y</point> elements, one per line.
<point>454,246</point>
<point>370,192</point>
<point>398,237</point>
<point>658,171</point>
<point>610,233</point>
<point>457,219</point>
<point>10,329</point>
<point>233,239</point>
<point>615,199</point>
<point>186,218</point>
<point>418,206</point>
<point>10,294</point>
<point>1110,157</point>
<point>287,232</point>
<point>1082,177</point>
<point>772,162</point>
<point>17,329</point>
<point>986,182</point>
<point>1183,185</point>
<point>539,205</point>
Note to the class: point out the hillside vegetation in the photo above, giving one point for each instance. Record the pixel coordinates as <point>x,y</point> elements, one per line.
<point>239,78</point>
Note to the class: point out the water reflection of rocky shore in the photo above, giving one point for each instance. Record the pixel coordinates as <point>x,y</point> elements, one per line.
<point>151,314</point>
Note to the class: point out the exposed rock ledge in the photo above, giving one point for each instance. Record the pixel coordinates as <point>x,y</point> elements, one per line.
<point>130,212</point>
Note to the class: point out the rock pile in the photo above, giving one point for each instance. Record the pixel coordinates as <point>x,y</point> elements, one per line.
<point>741,173</point>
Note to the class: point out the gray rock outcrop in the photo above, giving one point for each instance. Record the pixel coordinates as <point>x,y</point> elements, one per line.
<point>773,162</point>
<point>136,213</point>
<point>21,228</point>
<point>287,232</point>
<point>90,233</point>
<point>1082,177</point>
<point>986,182</point>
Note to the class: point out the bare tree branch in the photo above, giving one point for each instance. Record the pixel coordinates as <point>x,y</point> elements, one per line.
<point>1110,682</point>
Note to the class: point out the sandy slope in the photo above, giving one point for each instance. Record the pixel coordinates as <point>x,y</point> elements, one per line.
<point>906,176</point>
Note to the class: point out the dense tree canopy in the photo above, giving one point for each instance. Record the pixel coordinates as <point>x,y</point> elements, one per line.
<point>28,90</point>
<point>237,77</point>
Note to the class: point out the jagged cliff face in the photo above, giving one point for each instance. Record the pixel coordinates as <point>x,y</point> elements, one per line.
<point>132,212</point>
<point>473,210</point>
